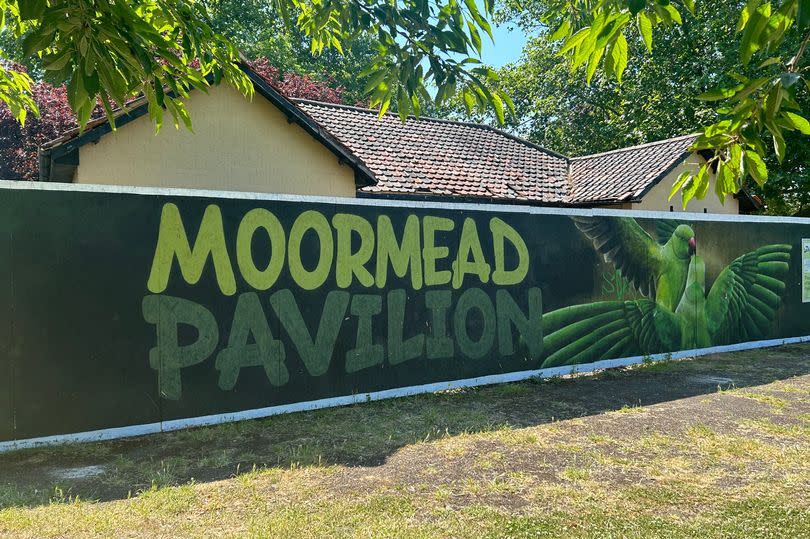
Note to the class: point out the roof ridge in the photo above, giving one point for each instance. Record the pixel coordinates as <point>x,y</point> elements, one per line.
<point>516,138</point>
<point>636,147</point>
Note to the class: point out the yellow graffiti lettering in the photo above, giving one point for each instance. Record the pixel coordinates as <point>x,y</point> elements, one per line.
<point>316,222</point>
<point>251,222</point>
<point>500,232</point>
<point>469,244</point>
<point>348,264</point>
<point>173,243</point>
<point>402,256</point>
<point>431,253</point>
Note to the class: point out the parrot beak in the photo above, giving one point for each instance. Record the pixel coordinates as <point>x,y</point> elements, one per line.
<point>692,246</point>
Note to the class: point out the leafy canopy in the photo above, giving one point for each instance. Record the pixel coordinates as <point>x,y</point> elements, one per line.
<point>756,109</point>
<point>110,51</point>
<point>259,31</point>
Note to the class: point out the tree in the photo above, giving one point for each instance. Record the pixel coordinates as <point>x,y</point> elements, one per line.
<point>107,52</point>
<point>774,37</point>
<point>259,31</point>
<point>19,142</point>
<point>656,98</point>
<point>294,85</point>
<point>787,191</point>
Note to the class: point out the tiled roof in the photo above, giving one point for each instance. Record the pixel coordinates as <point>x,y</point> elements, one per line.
<point>627,173</point>
<point>441,157</point>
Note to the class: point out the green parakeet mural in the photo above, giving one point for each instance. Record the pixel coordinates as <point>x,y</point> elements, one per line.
<point>675,312</point>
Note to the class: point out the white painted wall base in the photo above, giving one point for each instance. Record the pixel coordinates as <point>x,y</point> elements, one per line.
<point>179,424</point>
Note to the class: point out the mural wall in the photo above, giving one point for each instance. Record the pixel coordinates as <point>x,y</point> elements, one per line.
<point>132,309</point>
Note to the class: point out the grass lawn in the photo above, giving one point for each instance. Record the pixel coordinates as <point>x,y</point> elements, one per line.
<point>715,447</point>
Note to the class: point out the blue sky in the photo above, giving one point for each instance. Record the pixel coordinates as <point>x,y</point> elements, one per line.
<point>507,48</point>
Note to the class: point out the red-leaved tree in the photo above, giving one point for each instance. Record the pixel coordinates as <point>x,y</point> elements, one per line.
<point>19,144</point>
<point>298,86</point>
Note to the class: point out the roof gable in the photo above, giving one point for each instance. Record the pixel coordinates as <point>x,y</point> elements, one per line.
<point>60,156</point>
<point>628,173</point>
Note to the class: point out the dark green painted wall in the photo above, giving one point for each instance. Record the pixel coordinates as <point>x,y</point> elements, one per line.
<point>75,344</point>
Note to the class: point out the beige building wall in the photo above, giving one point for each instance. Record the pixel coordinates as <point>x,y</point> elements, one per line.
<point>656,198</point>
<point>237,145</point>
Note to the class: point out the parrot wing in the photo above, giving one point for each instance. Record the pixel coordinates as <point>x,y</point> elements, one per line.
<point>608,329</point>
<point>664,228</point>
<point>744,299</point>
<point>628,247</point>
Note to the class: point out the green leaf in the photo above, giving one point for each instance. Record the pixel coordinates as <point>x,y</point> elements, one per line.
<point>803,16</point>
<point>478,18</point>
<point>469,100</point>
<point>416,106</point>
<point>736,161</point>
<point>586,48</point>
<point>37,40</point>
<point>684,176</point>
<point>593,64</point>
<point>726,181</point>
<point>375,81</point>
<point>778,145</point>
<point>403,105</point>
<point>745,15</point>
<point>754,36</point>
<point>562,31</point>
<point>619,56</point>
<point>31,9</point>
<point>475,37</point>
<point>510,105</point>
<point>799,123</point>
<point>674,14</point>
<point>690,5</point>
<point>636,6</point>
<point>752,87</point>
<point>497,104</point>
<point>574,40</point>
<point>756,167</point>
<point>645,28</point>
<point>384,106</point>
<point>773,102</point>
<point>702,182</point>
<point>55,63</point>
<point>717,94</point>
<point>769,62</point>
<point>719,182</point>
<point>689,190</point>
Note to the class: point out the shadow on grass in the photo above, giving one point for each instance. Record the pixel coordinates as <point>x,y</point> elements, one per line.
<point>366,434</point>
